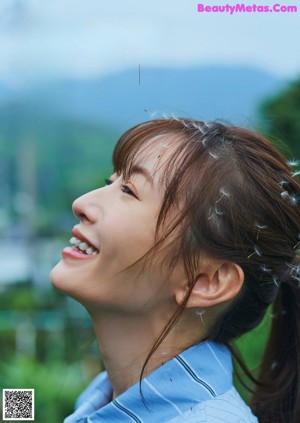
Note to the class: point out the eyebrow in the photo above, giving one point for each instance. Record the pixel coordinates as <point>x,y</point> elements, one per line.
<point>139,170</point>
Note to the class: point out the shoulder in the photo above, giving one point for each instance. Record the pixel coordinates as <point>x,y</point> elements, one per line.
<point>226,408</point>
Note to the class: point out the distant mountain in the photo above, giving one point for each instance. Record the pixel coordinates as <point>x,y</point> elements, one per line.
<point>6,94</point>
<point>56,140</point>
<point>126,98</point>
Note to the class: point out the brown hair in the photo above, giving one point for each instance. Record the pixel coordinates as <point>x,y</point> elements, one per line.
<point>239,201</point>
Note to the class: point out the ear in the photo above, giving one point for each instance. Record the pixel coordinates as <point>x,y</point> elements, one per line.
<point>215,285</point>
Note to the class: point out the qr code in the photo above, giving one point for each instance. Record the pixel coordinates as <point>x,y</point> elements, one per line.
<point>18,404</point>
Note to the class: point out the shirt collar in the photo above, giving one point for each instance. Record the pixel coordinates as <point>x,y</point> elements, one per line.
<point>199,373</point>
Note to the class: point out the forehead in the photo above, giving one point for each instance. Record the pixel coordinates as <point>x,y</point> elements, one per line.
<point>155,153</point>
<point>161,153</point>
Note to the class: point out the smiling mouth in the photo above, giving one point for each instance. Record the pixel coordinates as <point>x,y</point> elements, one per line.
<point>83,246</point>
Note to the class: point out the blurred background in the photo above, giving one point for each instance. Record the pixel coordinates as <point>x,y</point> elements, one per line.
<point>74,74</point>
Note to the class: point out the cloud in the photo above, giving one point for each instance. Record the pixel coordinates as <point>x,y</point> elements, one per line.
<point>40,39</point>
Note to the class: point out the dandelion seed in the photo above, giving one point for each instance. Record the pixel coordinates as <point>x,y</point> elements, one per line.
<point>218,212</point>
<point>214,155</point>
<point>294,199</point>
<point>197,126</point>
<point>200,313</point>
<point>259,228</point>
<point>186,125</point>
<point>154,114</point>
<point>274,365</point>
<point>296,275</point>
<point>275,280</point>
<point>256,251</point>
<point>266,269</point>
<point>293,163</point>
<point>178,119</point>
<point>204,142</point>
<point>295,271</point>
<point>296,245</point>
<point>215,212</point>
<point>282,182</point>
<point>296,173</point>
<point>284,195</point>
<point>223,193</point>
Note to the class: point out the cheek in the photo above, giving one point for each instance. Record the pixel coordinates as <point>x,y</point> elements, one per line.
<point>127,240</point>
<point>122,242</point>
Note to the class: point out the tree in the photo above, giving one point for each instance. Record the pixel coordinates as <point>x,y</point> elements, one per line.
<point>280,117</point>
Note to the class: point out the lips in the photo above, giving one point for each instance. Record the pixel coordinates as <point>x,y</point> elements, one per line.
<point>82,246</point>
<point>76,232</point>
<point>82,249</point>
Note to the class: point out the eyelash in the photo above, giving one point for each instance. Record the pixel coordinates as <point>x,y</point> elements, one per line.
<point>124,188</point>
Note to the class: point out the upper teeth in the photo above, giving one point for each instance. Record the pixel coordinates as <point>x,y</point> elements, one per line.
<point>83,246</point>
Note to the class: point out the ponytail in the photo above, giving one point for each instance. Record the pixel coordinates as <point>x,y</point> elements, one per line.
<point>277,396</point>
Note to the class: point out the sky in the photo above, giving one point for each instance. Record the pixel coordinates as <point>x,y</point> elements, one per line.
<point>83,39</point>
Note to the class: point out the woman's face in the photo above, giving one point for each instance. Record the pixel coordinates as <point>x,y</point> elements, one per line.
<point>119,220</point>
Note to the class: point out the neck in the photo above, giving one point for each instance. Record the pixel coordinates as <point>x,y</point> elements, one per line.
<point>125,342</point>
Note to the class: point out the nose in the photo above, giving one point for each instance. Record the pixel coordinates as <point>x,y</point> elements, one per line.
<point>86,208</point>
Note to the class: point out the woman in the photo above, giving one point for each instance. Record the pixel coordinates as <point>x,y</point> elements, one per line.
<point>193,237</point>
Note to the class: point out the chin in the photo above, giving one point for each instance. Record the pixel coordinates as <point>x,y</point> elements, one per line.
<point>57,276</point>
<point>67,281</point>
<point>62,278</point>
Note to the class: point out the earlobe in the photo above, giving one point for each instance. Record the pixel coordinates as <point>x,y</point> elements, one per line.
<point>215,286</point>
<point>203,289</point>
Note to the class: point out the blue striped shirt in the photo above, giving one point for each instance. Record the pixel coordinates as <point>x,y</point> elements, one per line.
<point>193,387</point>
